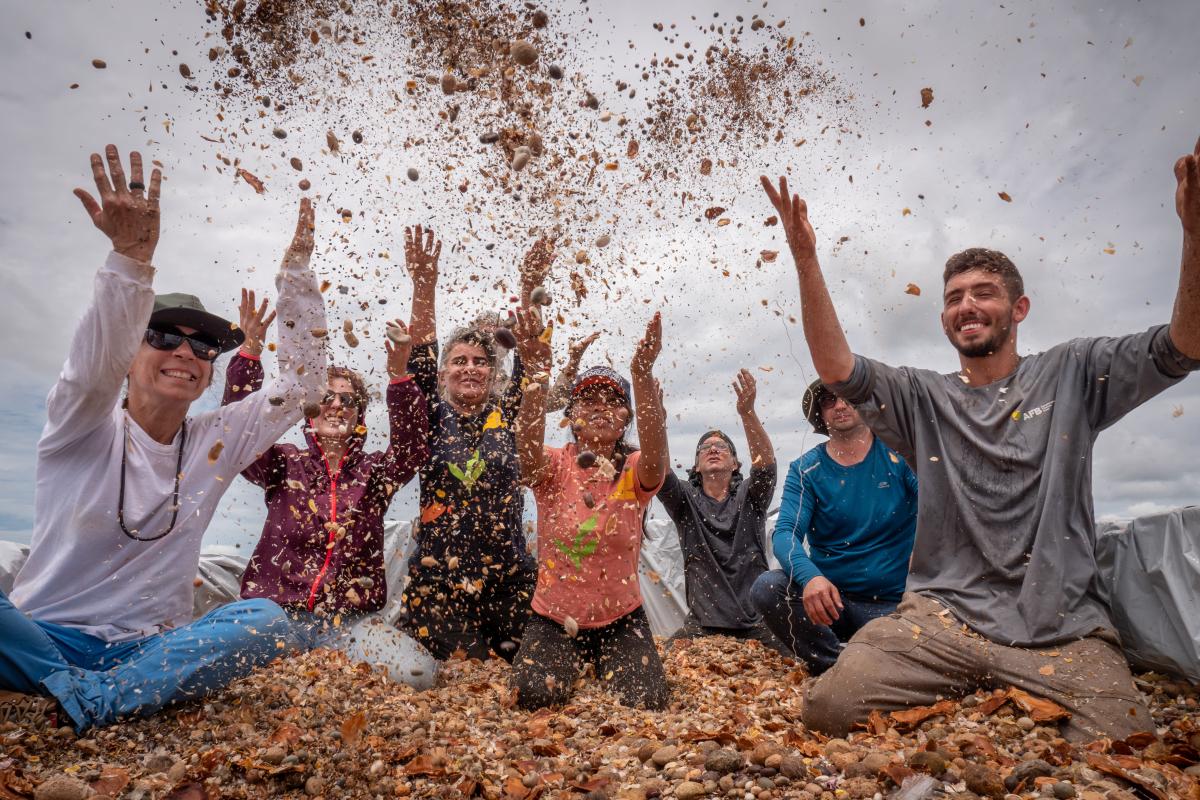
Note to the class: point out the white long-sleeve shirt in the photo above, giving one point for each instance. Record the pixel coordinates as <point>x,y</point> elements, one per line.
<point>83,571</point>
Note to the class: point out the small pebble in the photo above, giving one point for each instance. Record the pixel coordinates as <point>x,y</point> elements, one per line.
<point>304,185</point>
<point>523,52</point>
<point>413,174</point>
<point>586,459</point>
<point>62,787</point>
<point>279,133</point>
<point>99,63</point>
<point>540,297</point>
<point>357,137</point>
<point>504,337</point>
<point>555,71</point>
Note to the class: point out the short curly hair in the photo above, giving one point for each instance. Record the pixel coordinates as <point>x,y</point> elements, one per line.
<point>992,261</point>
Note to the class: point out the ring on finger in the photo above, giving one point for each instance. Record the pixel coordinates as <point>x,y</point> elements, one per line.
<point>136,186</point>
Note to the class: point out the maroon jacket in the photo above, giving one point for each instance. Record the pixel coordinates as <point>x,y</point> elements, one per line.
<point>322,542</point>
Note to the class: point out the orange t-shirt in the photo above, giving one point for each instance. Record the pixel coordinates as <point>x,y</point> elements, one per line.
<point>588,557</point>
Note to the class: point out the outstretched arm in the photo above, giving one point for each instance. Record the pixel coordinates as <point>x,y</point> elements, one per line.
<point>761,452</point>
<point>245,372</point>
<point>408,414</point>
<point>535,268</point>
<point>830,353</point>
<point>560,393</point>
<point>530,426</point>
<point>651,416</point>
<point>1185,319</point>
<point>421,254</point>
<point>110,332</point>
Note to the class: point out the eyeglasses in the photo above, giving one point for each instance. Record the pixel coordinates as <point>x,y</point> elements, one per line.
<point>348,399</point>
<point>720,447</point>
<point>202,348</point>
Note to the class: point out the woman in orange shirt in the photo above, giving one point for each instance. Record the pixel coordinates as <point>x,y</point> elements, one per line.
<point>591,496</point>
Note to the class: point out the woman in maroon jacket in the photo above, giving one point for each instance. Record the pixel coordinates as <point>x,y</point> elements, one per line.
<point>321,554</point>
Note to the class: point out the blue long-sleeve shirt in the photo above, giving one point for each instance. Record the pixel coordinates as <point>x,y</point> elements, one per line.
<point>859,521</point>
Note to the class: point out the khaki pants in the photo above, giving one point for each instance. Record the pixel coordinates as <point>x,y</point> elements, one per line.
<point>921,654</point>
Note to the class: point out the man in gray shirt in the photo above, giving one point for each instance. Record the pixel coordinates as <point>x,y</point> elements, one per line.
<point>721,521</point>
<point>1001,589</point>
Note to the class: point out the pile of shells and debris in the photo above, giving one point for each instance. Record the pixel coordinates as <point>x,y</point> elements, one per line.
<point>318,725</point>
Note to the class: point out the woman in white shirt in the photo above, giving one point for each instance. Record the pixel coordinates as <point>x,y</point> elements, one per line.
<point>100,615</point>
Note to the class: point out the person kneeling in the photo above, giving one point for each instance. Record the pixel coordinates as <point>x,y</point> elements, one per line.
<point>856,502</point>
<point>591,496</point>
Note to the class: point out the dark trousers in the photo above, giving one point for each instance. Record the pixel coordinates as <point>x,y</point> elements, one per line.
<point>692,629</point>
<point>781,603</point>
<point>622,654</point>
<point>445,618</point>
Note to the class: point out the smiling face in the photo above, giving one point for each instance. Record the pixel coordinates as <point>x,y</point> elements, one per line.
<point>713,456</point>
<point>839,416</point>
<point>599,415</point>
<point>337,420</point>
<point>979,316</point>
<point>159,377</point>
<point>467,376</point>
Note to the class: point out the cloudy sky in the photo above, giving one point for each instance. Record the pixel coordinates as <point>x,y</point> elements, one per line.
<point>1076,112</point>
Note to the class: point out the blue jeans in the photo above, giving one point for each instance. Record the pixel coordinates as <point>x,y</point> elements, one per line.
<point>781,603</point>
<point>96,682</point>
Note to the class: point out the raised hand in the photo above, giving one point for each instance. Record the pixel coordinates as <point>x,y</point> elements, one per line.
<point>647,350</point>
<point>254,321</point>
<point>793,214</point>
<point>746,390</point>
<point>533,345</point>
<point>126,213</point>
<point>303,241</point>
<point>536,265</point>
<point>1187,192</point>
<point>398,344</point>
<point>578,347</point>
<point>421,253</point>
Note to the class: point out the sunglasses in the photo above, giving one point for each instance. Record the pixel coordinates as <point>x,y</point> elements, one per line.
<point>828,401</point>
<point>169,339</point>
<point>348,399</point>
<point>720,447</point>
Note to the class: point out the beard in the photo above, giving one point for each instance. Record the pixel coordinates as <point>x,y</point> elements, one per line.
<point>989,345</point>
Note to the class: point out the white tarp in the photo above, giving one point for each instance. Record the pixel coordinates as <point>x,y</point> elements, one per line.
<point>1150,577</point>
<point>220,574</point>
<point>1149,573</point>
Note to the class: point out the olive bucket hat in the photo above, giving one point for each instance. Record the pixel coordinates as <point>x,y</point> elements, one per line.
<point>811,406</point>
<point>187,310</point>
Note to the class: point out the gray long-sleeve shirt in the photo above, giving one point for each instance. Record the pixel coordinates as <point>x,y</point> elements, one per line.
<point>1005,529</point>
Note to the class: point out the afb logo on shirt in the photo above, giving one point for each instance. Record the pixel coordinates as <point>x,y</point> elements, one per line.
<point>1019,415</point>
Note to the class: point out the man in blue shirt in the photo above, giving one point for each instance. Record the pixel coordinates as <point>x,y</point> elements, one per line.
<point>856,502</point>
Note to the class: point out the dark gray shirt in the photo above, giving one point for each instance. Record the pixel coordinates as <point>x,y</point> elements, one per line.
<point>1005,530</point>
<point>723,545</point>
